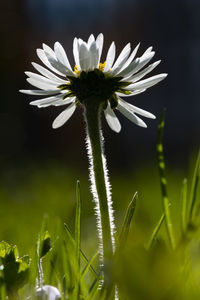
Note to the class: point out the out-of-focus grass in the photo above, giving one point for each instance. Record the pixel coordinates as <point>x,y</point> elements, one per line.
<point>27,194</point>
<point>151,261</point>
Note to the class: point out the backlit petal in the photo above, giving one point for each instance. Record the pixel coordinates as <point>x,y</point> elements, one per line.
<point>61,55</point>
<point>110,57</point>
<point>136,110</point>
<point>130,115</point>
<point>111,119</point>
<point>64,116</point>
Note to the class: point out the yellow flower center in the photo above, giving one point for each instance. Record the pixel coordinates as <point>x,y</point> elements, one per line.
<point>76,71</point>
<point>101,68</point>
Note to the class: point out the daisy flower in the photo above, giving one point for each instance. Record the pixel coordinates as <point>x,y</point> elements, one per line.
<point>107,82</point>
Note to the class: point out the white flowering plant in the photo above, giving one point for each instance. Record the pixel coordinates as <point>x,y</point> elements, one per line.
<point>98,87</point>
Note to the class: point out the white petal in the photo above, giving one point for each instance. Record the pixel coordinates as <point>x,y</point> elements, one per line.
<point>76,53</point>
<point>90,40</point>
<point>143,61</point>
<point>121,59</point>
<point>47,49</point>
<point>84,57</point>
<point>46,101</point>
<point>80,42</point>
<point>64,116</point>
<point>42,56</point>
<point>61,55</point>
<point>65,101</point>
<point>129,69</point>
<point>99,42</point>
<point>40,92</point>
<point>136,110</point>
<point>111,119</point>
<point>56,103</point>
<point>41,85</point>
<point>47,73</point>
<point>146,83</point>
<point>136,65</point>
<point>41,78</point>
<point>148,50</point>
<point>110,57</point>
<point>144,72</point>
<point>136,92</point>
<point>131,57</point>
<point>130,115</point>
<point>94,56</point>
<point>59,66</point>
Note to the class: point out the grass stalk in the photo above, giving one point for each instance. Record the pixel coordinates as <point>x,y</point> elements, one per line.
<point>163,182</point>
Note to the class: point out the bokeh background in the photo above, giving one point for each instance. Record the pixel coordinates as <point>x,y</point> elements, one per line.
<point>39,165</point>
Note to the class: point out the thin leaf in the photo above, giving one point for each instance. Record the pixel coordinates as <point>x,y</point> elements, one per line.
<point>39,252</point>
<point>78,224</point>
<point>89,264</point>
<point>127,220</point>
<point>155,231</point>
<point>93,290</point>
<point>83,256</point>
<point>163,181</point>
<point>3,294</point>
<point>68,280</point>
<point>194,188</point>
<point>77,239</point>
<point>184,207</point>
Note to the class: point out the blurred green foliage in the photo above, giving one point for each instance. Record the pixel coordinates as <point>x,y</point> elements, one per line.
<point>27,194</point>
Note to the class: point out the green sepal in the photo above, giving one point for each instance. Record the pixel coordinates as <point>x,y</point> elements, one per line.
<point>99,73</point>
<point>113,101</point>
<point>71,78</point>
<point>83,75</point>
<point>125,92</point>
<point>104,106</point>
<point>77,103</point>
<point>124,84</point>
<point>68,95</point>
<point>63,87</point>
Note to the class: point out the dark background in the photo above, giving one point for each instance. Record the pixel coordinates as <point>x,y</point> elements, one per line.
<point>171,27</point>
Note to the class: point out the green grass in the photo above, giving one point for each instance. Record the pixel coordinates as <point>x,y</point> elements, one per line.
<point>50,217</point>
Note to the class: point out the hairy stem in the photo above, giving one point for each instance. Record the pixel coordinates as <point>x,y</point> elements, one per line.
<point>100,186</point>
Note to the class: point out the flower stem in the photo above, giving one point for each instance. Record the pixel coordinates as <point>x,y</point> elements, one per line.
<point>100,186</point>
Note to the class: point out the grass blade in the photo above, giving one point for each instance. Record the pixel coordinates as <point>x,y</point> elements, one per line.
<point>163,181</point>
<point>184,207</point>
<point>82,254</point>
<point>93,289</point>
<point>78,225</point>
<point>127,220</point>
<point>77,240</point>
<point>155,232</point>
<point>89,264</point>
<point>193,193</point>
<point>3,292</point>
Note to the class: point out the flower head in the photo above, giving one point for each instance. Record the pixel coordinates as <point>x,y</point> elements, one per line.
<point>92,80</point>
